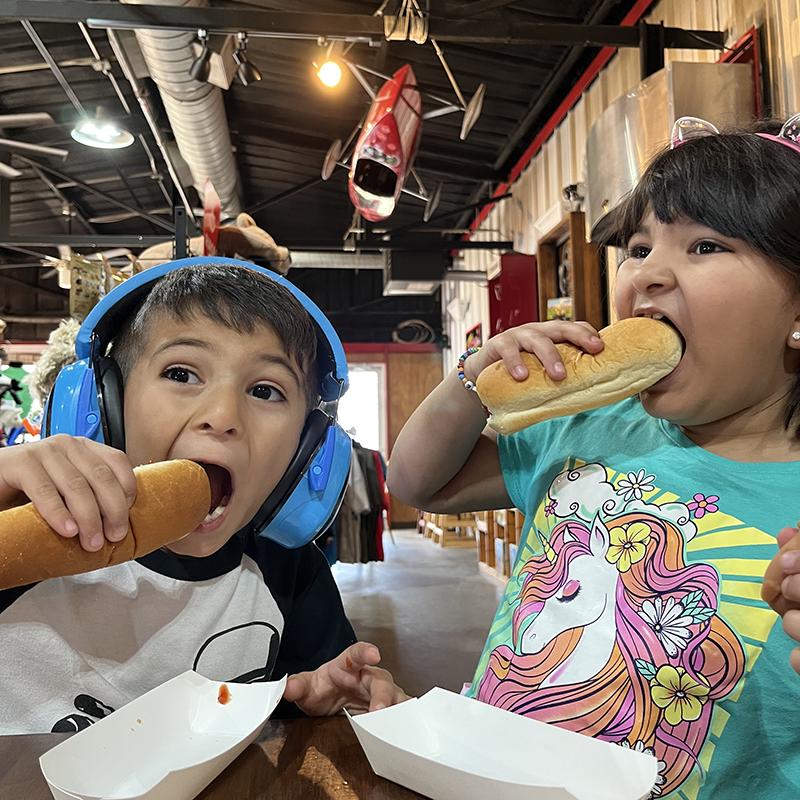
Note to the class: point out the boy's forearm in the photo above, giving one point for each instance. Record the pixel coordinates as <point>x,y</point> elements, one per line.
<point>435,443</point>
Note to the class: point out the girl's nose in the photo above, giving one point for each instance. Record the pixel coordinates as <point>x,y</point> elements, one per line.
<point>653,275</point>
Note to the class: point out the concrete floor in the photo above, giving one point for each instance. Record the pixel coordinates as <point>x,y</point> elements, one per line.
<point>428,609</point>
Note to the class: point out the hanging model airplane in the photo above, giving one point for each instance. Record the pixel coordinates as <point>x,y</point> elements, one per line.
<point>386,142</point>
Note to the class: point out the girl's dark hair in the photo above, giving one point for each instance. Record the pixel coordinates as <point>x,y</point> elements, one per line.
<point>736,183</point>
<point>236,297</point>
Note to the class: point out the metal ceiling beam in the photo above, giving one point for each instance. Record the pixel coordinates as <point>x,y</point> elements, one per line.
<point>375,244</point>
<point>352,27</point>
<point>553,85</point>
<point>482,6</point>
<point>79,213</point>
<point>34,319</point>
<point>149,114</point>
<point>108,241</point>
<point>105,241</point>
<point>4,279</point>
<point>158,221</point>
<point>436,161</point>
<point>54,68</point>
<point>277,198</point>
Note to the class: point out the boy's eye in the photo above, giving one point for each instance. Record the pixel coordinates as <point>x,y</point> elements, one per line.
<point>706,247</point>
<point>266,392</point>
<point>179,375</point>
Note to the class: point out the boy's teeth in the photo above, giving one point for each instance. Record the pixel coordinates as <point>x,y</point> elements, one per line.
<point>214,514</point>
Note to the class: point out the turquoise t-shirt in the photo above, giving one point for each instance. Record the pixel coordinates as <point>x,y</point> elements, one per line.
<point>633,612</point>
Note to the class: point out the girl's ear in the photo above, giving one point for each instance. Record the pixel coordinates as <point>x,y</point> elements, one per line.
<point>794,334</point>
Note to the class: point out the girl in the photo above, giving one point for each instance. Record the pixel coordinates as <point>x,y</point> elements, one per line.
<point>633,613</point>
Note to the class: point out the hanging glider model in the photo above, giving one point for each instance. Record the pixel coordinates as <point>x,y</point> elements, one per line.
<point>386,142</point>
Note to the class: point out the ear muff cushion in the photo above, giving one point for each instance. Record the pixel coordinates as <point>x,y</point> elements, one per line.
<point>313,435</point>
<point>108,378</point>
<point>310,510</point>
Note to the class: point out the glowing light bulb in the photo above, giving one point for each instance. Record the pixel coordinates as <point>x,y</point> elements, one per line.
<point>330,73</point>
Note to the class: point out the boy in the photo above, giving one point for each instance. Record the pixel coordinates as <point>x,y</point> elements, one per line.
<point>219,365</point>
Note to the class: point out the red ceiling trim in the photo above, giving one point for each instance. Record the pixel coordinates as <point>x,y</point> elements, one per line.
<point>592,71</point>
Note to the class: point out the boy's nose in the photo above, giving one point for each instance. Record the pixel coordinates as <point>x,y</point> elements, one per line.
<point>220,415</point>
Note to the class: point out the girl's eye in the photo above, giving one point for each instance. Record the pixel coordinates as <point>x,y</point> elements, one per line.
<point>179,375</point>
<point>705,248</point>
<point>638,252</point>
<point>266,392</point>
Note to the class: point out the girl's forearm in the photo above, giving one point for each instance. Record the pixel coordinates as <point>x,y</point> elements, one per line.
<point>436,442</point>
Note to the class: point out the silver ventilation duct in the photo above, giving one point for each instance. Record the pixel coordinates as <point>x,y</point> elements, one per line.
<point>638,124</point>
<point>196,110</point>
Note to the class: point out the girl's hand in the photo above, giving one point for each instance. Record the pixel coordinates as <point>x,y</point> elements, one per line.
<point>790,591</point>
<point>538,339</point>
<point>350,680</point>
<point>81,488</point>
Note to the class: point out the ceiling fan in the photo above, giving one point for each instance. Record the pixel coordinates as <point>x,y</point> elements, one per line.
<point>26,120</point>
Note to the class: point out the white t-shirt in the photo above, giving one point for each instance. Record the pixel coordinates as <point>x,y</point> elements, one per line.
<point>74,649</point>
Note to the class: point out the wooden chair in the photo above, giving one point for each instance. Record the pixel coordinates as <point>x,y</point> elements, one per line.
<point>502,518</point>
<point>452,530</point>
<point>484,527</point>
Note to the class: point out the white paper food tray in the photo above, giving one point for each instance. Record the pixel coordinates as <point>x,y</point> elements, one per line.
<point>450,747</point>
<point>167,744</point>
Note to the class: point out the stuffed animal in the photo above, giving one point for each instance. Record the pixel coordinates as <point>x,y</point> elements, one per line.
<point>59,352</point>
<point>243,240</point>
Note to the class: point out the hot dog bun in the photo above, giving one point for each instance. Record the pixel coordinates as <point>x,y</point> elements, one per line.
<point>173,498</point>
<point>638,352</point>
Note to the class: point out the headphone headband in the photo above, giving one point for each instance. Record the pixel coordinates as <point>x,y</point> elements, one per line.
<point>99,324</point>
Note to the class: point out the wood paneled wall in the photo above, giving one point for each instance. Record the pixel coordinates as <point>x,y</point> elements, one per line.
<point>411,378</point>
<point>411,375</point>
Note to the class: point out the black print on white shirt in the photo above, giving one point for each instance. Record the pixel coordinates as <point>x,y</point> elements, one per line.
<point>77,722</point>
<point>259,635</point>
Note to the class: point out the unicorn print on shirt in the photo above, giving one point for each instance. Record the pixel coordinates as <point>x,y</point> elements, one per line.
<point>613,634</point>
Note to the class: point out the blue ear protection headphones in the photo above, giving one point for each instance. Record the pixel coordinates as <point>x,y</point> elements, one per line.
<point>86,400</point>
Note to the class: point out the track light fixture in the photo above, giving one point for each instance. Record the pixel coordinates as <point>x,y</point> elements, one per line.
<point>246,71</point>
<point>101,132</point>
<point>201,66</point>
<point>329,72</point>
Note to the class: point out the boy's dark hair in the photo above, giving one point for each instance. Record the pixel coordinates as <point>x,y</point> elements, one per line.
<point>736,183</point>
<point>236,297</point>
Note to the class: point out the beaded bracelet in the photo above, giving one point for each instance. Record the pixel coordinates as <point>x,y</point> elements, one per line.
<point>468,384</point>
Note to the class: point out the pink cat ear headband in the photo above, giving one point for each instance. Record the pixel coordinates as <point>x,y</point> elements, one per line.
<point>687,128</point>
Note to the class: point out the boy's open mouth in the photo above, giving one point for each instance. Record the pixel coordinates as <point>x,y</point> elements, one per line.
<point>221,491</point>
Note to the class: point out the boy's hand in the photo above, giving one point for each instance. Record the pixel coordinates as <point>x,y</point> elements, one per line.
<point>350,680</point>
<point>79,487</point>
<point>538,339</point>
<point>790,591</point>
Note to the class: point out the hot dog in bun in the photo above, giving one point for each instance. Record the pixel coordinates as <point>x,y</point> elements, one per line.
<point>638,352</point>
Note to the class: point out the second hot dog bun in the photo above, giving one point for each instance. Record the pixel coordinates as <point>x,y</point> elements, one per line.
<point>638,352</point>
<point>173,498</point>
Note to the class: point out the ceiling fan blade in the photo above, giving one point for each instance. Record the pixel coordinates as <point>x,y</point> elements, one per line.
<point>26,147</point>
<point>25,120</point>
<point>7,171</point>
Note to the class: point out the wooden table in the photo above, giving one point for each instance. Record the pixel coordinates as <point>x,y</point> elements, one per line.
<point>304,759</point>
